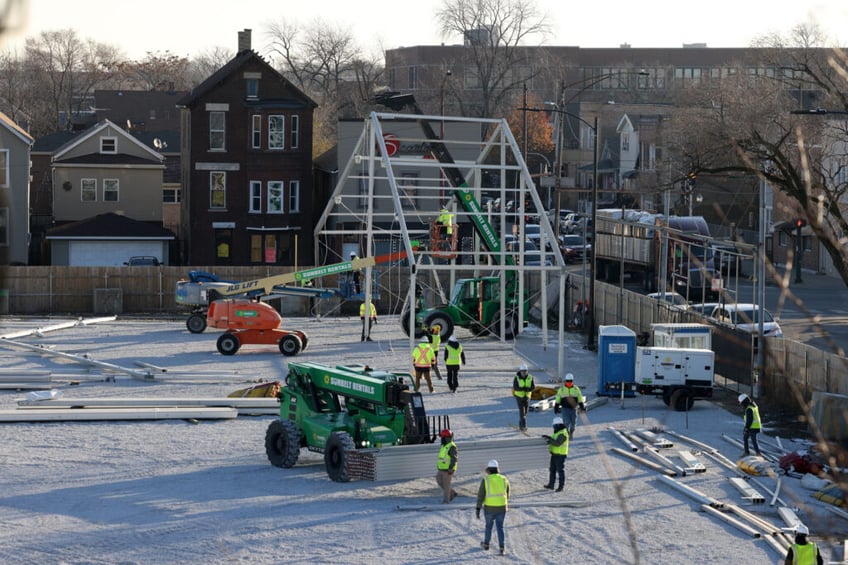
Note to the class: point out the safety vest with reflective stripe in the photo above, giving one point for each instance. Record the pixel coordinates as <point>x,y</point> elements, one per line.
<point>804,554</point>
<point>523,383</point>
<point>559,449</point>
<point>362,311</point>
<point>496,487</point>
<point>756,424</point>
<point>454,354</point>
<point>444,463</point>
<point>423,356</point>
<point>572,392</point>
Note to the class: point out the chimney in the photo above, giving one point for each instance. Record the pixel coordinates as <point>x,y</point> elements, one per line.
<point>244,40</point>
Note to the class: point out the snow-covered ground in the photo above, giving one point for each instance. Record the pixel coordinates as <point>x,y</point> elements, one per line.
<point>179,492</point>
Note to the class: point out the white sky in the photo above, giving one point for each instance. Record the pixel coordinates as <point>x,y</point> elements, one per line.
<point>159,25</point>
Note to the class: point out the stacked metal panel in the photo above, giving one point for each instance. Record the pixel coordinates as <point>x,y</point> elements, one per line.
<point>418,461</point>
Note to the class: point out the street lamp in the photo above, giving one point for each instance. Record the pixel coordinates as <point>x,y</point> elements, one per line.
<point>698,199</point>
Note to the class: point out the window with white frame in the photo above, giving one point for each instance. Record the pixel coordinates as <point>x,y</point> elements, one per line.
<point>252,88</point>
<point>294,132</point>
<point>294,196</point>
<point>217,190</point>
<point>171,195</point>
<point>4,167</point>
<point>109,145</point>
<point>276,132</point>
<point>217,131</point>
<point>255,196</point>
<point>110,190</point>
<point>275,197</point>
<point>4,227</point>
<point>256,131</point>
<point>88,190</point>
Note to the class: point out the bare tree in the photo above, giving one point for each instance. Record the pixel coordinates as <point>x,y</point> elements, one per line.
<point>202,66</point>
<point>157,71</point>
<point>66,70</point>
<point>326,63</point>
<point>751,123</point>
<point>493,31</point>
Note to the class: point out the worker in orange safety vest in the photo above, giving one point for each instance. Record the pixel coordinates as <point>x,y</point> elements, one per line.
<point>423,359</point>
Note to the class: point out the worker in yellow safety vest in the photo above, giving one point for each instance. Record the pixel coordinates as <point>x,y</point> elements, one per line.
<point>372,319</point>
<point>435,337</point>
<point>422,360</point>
<point>493,498</point>
<point>803,551</point>
<point>568,400</point>
<point>446,466</point>
<point>558,447</point>
<point>752,424</point>
<point>446,219</point>
<point>454,355</point>
<point>522,387</point>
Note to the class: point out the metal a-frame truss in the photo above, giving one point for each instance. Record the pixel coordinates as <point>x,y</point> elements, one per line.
<point>397,179</point>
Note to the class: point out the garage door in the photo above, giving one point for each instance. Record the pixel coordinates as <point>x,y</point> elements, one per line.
<point>110,253</point>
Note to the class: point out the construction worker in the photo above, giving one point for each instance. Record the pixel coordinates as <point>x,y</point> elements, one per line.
<point>356,275</point>
<point>423,359</point>
<point>446,466</point>
<point>803,551</point>
<point>522,386</point>
<point>372,319</point>
<point>493,498</point>
<point>454,355</point>
<point>435,337</point>
<point>446,219</point>
<point>752,424</point>
<point>558,447</point>
<point>568,400</point>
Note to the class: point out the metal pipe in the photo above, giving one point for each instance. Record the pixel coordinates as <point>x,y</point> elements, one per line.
<point>732,521</point>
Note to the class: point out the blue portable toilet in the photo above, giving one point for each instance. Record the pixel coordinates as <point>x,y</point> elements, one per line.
<point>616,360</point>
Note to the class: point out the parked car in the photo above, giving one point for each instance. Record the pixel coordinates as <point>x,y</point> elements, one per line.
<point>703,308</point>
<point>513,245</point>
<point>143,260</point>
<point>570,223</point>
<point>534,233</point>
<point>745,317</point>
<point>574,247</point>
<point>534,258</point>
<point>674,300</point>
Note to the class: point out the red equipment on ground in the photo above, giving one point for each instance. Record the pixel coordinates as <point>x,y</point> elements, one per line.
<point>251,322</point>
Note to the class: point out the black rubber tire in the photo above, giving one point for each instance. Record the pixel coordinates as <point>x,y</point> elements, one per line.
<point>290,345</point>
<point>196,323</point>
<point>511,327</point>
<point>443,320</point>
<point>228,344</point>
<point>682,400</point>
<point>282,443</point>
<point>666,397</point>
<point>335,456</point>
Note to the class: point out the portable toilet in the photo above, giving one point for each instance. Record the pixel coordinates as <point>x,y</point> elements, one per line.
<point>616,360</point>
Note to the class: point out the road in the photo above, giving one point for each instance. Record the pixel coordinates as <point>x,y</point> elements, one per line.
<point>818,298</point>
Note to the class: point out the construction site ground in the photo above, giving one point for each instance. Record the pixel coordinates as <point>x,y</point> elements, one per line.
<point>192,490</point>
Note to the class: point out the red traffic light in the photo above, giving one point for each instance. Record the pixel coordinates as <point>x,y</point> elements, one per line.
<point>800,223</point>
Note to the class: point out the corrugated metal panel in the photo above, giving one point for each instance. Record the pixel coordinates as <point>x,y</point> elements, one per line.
<point>418,461</point>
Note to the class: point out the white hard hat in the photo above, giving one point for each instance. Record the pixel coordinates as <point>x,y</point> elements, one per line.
<point>801,529</point>
<point>742,398</point>
<point>453,339</point>
<point>557,421</point>
<point>493,464</point>
<point>569,377</point>
<point>353,253</point>
<point>523,367</point>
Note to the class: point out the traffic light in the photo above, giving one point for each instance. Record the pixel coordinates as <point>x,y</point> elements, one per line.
<point>692,176</point>
<point>800,223</point>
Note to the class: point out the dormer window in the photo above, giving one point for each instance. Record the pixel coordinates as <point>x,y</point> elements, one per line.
<point>109,145</point>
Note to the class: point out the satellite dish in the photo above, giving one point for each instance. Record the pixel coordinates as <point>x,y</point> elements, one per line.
<point>159,144</point>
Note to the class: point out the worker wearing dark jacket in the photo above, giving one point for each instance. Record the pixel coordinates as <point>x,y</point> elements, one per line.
<point>752,423</point>
<point>493,498</point>
<point>558,447</point>
<point>568,400</point>
<point>454,355</point>
<point>803,551</point>
<point>522,387</point>
<point>446,466</point>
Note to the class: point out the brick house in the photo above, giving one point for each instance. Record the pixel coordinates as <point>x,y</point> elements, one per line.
<point>247,167</point>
